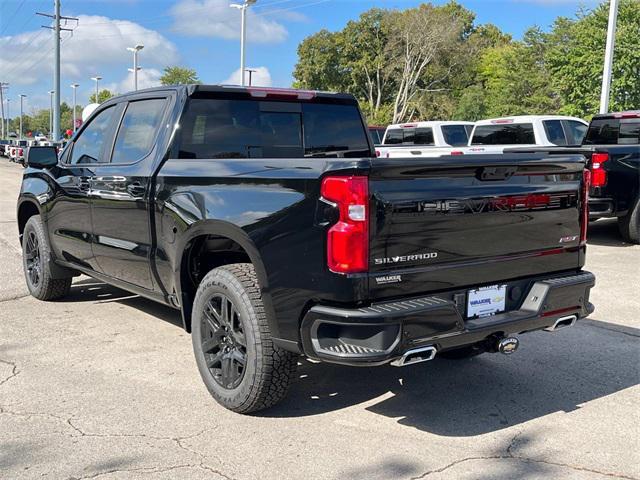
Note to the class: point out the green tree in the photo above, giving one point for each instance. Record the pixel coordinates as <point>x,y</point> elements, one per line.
<point>103,96</point>
<point>178,76</point>
<point>320,63</point>
<point>576,55</point>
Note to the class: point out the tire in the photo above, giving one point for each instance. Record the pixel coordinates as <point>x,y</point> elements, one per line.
<point>461,353</point>
<point>629,225</point>
<point>241,367</point>
<point>37,263</point>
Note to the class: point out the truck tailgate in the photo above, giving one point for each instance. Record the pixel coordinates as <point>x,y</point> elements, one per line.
<point>456,222</point>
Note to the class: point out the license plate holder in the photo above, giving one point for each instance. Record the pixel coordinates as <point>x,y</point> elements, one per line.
<point>485,301</point>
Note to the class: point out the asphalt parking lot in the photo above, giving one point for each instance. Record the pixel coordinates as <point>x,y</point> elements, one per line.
<point>104,385</point>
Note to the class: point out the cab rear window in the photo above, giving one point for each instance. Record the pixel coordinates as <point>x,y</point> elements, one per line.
<point>235,128</point>
<point>504,134</point>
<point>613,131</point>
<point>409,136</point>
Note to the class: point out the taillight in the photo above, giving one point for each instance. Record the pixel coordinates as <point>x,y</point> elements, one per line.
<point>457,152</point>
<point>348,239</point>
<point>377,152</point>
<point>20,152</point>
<point>598,173</point>
<point>584,207</point>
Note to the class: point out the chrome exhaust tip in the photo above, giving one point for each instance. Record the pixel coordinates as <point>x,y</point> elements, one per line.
<point>415,355</point>
<point>562,322</point>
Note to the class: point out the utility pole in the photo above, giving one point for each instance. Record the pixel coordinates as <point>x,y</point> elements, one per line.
<point>96,79</point>
<point>608,57</point>
<point>55,113</point>
<point>8,116</point>
<point>74,86</point>
<point>3,85</point>
<point>51,92</point>
<point>251,71</point>
<point>22,95</point>
<point>135,51</point>
<point>243,32</point>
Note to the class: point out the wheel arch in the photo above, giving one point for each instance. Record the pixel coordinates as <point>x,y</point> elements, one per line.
<point>215,243</point>
<point>27,208</point>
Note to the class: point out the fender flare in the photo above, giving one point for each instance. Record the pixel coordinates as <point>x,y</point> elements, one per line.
<point>57,271</point>
<point>228,230</point>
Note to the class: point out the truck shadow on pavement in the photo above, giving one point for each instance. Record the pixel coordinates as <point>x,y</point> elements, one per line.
<point>605,233</point>
<point>550,373</point>
<point>90,290</point>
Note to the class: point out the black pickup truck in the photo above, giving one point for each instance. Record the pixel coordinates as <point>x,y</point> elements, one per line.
<point>265,218</point>
<point>612,149</point>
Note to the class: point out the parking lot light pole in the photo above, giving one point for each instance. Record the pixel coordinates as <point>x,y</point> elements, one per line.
<point>135,51</point>
<point>608,57</point>
<point>74,86</point>
<point>97,80</point>
<point>22,96</point>
<point>8,116</point>
<point>243,32</point>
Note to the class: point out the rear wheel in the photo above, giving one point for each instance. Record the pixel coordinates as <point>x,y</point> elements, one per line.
<point>241,367</point>
<point>37,263</point>
<point>629,225</point>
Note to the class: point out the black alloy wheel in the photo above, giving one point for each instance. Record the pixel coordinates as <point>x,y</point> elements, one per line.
<point>223,341</point>
<point>33,259</point>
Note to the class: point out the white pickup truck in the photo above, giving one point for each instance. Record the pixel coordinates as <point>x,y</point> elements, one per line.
<point>496,134</point>
<point>485,136</point>
<point>424,139</point>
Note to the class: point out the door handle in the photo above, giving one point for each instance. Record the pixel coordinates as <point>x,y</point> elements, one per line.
<point>84,184</point>
<point>136,189</point>
<point>110,179</point>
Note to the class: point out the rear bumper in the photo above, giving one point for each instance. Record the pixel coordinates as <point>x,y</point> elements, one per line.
<point>602,208</point>
<point>383,332</point>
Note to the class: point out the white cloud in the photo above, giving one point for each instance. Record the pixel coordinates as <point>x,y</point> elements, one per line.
<point>147,78</point>
<point>260,78</point>
<point>214,18</point>
<point>98,46</point>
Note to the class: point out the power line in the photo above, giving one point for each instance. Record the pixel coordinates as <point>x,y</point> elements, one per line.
<point>11,17</point>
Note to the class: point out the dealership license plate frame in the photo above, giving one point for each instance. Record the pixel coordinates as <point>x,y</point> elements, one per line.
<point>486,301</point>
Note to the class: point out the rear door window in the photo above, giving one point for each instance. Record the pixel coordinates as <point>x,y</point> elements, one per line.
<point>504,134</point>
<point>555,132</point>
<point>575,131</point>
<point>456,135</point>
<point>138,130</point>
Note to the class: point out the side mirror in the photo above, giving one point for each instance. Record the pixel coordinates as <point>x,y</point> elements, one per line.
<point>42,157</point>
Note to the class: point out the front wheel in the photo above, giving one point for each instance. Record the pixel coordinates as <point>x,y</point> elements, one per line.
<point>241,367</point>
<point>37,263</point>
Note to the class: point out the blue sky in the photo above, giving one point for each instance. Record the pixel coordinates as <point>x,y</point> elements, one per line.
<point>200,34</point>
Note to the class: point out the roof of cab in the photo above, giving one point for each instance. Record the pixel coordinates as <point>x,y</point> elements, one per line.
<point>432,123</point>
<point>527,119</point>
<point>258,92</point>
